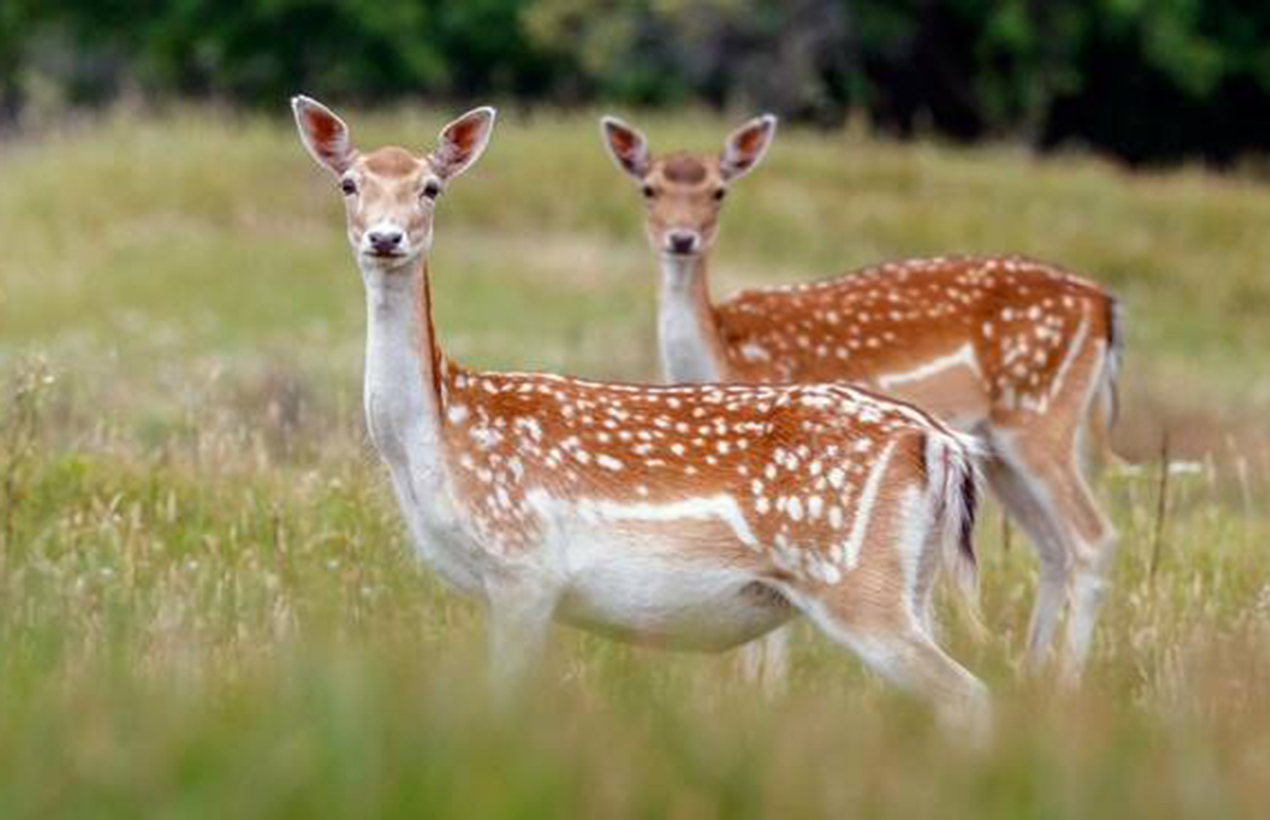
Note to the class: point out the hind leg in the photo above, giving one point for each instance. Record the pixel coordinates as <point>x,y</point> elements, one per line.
<point>1038,442</point>
<point>1093,550</point>
<point>1046,465</point>
<point>1024,500</point>
<point>878,601</point>
<point>902,652</point>
<point>882,611</point>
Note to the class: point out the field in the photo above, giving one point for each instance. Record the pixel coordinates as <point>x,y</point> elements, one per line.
<point>208,608</point>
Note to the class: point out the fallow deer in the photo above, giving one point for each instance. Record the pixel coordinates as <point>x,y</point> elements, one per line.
<point>695,516</point>
<point>1022,353</point>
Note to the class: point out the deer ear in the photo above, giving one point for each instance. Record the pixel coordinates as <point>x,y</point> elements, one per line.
<point>746,146</point>
<point>462,142</point>
<point>626,145</point>
<point>324,134</point>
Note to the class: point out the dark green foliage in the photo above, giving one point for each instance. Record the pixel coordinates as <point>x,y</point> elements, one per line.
<point>1147,80</point>
<point>1164,79</point>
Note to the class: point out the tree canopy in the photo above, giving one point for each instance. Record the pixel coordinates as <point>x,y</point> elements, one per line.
<point>1146,80</point>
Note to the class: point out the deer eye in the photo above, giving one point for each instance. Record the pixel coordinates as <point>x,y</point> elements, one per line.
<point>720,194</point>
<point>348,186</point>
<point>431,190</point>
<point>648,191</point>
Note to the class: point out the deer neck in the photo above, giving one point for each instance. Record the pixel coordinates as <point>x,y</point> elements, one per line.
<point>403,391</point>
<point>687,330</point>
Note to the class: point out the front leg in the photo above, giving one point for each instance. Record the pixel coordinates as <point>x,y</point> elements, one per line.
<point>520,620</point>
<point>765,661</point>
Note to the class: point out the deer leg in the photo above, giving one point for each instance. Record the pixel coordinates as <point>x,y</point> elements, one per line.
<point>906,656</point>
<point>520,621</point>
<point>1088,540</point>
<point>960,699</point>
<point>890,639</point>
<point>1024,499</point>
<point>1094,542</point>
<point>765,661</point>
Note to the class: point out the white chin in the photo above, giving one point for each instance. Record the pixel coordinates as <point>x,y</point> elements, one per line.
<point>375,260</point>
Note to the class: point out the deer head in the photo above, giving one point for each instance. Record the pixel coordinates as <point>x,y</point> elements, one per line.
<point>390,193</point>
<point>684,192</point>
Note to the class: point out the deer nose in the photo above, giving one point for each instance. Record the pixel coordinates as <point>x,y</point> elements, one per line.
<point>682,241</point>
<point>385,240</point>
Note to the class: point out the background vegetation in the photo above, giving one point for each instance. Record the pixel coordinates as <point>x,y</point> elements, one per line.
<point>208,608</point>
<point>1145,80</point>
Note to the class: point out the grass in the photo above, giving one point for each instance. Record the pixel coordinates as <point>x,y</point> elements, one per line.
<point>207,606</point>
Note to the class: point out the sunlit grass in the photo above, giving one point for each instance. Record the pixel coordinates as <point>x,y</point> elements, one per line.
<point>214,235</point>
<point>208,608</point>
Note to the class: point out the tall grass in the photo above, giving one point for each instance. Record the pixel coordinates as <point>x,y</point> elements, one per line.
<point>208,608</point>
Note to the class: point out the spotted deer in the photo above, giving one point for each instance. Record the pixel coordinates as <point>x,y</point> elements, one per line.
<point>1019,352</point>
<point>696,516</point>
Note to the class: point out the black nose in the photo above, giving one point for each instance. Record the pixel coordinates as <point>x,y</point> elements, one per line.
<point>384,241</point>
<point>681,242</point>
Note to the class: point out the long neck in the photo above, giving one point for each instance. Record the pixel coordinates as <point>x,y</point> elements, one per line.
<point>687,331</point>
<point>403,391</point>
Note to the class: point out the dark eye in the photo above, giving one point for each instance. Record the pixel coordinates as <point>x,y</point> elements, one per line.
<point>348,187</point>
<point>431,190</point>
<point>720,194</point>
<point>649,193</point>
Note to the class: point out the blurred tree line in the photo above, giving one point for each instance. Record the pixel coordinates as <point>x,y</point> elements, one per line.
<point>1147,80</point>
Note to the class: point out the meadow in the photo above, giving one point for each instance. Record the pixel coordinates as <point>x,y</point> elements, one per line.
<point>208,607</point>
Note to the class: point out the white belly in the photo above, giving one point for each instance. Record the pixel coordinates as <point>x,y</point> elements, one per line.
<point>673,604</point>
<point>689,580</point>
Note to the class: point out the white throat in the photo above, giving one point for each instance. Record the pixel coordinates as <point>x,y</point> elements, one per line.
<point>685,335</point>
<point>404,406</point>
<point>403,414</point>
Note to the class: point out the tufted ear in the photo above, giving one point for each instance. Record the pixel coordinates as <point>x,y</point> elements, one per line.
<point>626,145</point>
<point>462,142</point>
<point>324,134</point>
<point>746,146</point>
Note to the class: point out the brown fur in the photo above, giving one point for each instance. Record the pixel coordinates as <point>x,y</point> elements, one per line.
<point>391,162</point>
<point>1020,350</point>
<point>684,169</point>
<point>820,492</point>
